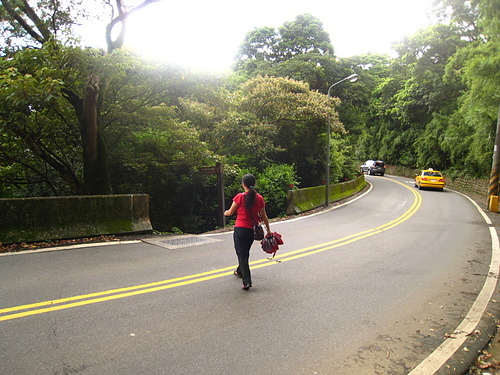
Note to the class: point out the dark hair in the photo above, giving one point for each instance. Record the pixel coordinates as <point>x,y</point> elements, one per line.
<point>249,181</point>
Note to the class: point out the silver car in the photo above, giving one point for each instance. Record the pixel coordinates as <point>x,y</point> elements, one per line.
<point>373,167</point>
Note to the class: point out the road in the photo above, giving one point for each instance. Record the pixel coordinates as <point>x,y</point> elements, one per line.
<point>374,286</point>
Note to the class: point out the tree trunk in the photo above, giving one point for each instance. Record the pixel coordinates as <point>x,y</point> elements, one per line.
<point>95,172</point>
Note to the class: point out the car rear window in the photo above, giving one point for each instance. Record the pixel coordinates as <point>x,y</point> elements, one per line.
<point>433,174</point>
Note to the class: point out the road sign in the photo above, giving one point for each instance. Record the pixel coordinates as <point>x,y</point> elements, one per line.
<point>208,170</point>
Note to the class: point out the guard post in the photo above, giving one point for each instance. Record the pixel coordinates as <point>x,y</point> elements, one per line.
<point>494,175</point>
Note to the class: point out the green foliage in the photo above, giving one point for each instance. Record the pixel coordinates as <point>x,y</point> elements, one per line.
<point>343,164</point>
<point>434,105</point>
<point>273,183</point>
<point>472,132</point>
<point>39,118</point>
<point>309,67</point>
<point>304,35</point>
<point>37,123</point>
<point>259,45</point>
<point>464,14</point>
<point>266,47</point>
<point>277,100</point>
<point>438,105</point>
<point>428,146</point>
<point>30,24</point>
<point>267,120</point>
<point>415,93</point>
<point>161,160</point>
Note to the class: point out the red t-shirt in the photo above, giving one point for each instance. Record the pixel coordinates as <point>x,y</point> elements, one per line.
<point>243,217</point>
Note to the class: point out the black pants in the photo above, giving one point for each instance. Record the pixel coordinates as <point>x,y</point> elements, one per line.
<point>243,240</point>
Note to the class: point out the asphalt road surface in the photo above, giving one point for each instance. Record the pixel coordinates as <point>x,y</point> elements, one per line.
<point>386,284</point>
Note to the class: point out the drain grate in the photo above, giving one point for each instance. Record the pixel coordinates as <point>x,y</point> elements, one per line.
<point>184,241</point>
<point>179,242</point>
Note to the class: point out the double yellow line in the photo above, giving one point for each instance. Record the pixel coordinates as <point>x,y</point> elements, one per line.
<point>88,299</point>
<point>353,237</point>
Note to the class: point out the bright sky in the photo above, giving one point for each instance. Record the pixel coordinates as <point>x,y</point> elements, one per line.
<point>205,35</point>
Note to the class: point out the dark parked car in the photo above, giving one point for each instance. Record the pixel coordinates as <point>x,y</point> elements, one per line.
<point>373,167</point>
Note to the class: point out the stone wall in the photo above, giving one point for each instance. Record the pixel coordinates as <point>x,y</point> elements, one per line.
<point>306,199</point>
<point>50,218</point>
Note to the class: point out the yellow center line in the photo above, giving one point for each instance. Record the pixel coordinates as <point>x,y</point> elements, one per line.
<point>354,237</point>
<point>108,295</point>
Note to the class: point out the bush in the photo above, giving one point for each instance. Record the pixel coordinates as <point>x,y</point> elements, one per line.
<point>274,184</point>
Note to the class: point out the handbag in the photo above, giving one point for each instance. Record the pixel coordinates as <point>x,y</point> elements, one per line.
<point>258,231</point>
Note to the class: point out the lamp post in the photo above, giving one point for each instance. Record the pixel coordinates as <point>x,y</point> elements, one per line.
<point>351,78</point>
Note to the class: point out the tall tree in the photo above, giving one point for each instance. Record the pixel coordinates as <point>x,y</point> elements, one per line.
<point>265,48</point>
<point>463,14</point>
<point>268,120</point>
<point>41,22</point>
<point>471,132</point>
<point>303,35</point>
<point>409,97</point>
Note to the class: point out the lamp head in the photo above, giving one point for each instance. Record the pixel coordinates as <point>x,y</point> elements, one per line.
<point>353,78</point>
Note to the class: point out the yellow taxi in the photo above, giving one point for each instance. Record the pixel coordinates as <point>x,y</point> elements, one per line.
<point>429,178</point>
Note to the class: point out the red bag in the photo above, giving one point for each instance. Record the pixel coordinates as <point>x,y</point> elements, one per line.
<point>270,243</point>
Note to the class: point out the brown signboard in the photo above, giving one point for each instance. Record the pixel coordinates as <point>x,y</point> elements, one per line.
<point>208,170</point>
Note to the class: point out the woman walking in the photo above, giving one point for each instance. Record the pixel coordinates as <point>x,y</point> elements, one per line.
<point>247,206</point>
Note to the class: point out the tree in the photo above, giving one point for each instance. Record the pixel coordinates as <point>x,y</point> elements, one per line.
<point>21,26</point>
<point>37,121</point>
<point>463,14</point>
<point>414,92</point>
<point>42,26</point>
<point>267,120</point>
<point>265,48</point>
<point>158,156</point>
<point>260,45</point>
<point>472,128</point>
<point>438,106</point>
<point>120,20</point>
<point>304,35</point>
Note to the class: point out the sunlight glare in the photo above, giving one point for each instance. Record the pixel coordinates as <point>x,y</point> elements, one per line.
<point>206,35</point>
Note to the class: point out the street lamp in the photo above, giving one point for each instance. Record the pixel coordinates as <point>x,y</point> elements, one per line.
<point>351,78</point>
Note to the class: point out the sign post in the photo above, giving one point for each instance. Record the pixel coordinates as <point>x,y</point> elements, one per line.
<point>219,171</point>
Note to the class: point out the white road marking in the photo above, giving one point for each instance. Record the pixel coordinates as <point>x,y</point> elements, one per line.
<point>444,352</point>
<point>70,247</point>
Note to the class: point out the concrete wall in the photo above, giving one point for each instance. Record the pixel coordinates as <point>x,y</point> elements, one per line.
<point>306,199</point>
<point>39,219</point>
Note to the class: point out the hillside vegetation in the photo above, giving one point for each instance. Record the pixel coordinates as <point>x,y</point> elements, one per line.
<point>78,120</point>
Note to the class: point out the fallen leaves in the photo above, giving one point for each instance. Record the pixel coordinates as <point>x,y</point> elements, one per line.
<point>483,362</point>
